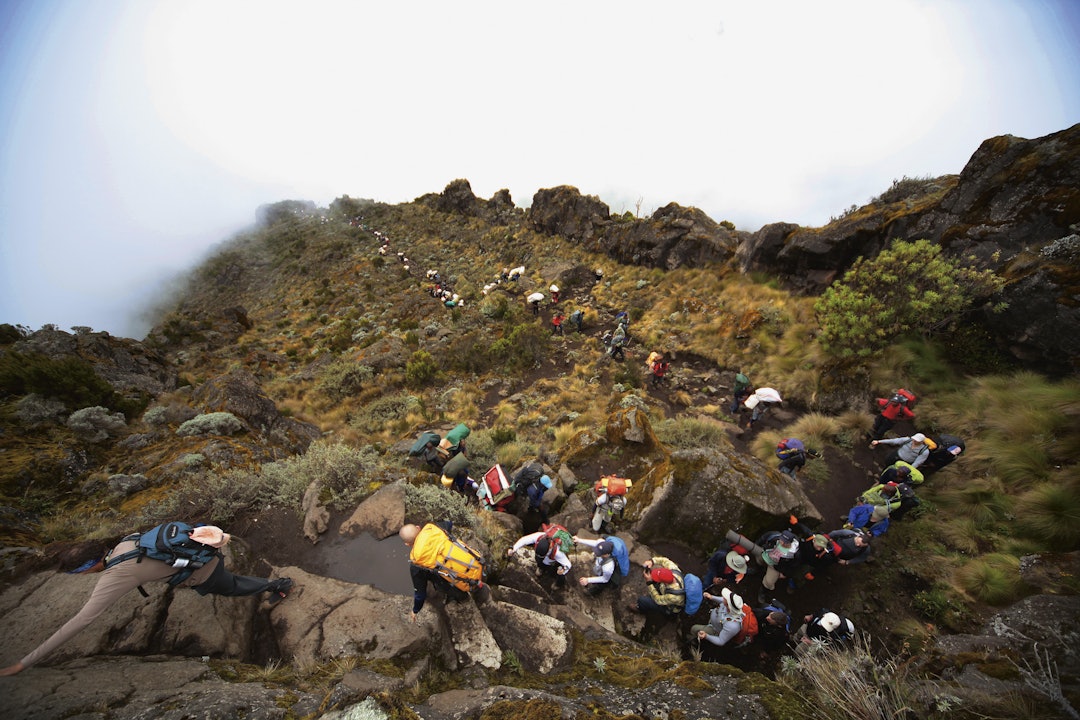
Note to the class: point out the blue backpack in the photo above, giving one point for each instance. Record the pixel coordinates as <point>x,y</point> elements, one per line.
<point>621,555</point>
<point>170,543</point>
<point>693,589</point>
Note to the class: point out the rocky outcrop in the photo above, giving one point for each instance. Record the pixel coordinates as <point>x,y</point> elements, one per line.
<point>1012,209</point>
<point>672,237</point>
<point>381,515</point>
<point>239,393</point>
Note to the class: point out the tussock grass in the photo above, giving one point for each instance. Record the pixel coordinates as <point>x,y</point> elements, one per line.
<point>842,683</point>
<point>993,579</point>
<point>687,433</point>
<point>982,500</point>
<point>1050,512</point>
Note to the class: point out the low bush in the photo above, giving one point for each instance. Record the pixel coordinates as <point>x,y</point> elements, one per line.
<point>344,379</point>
<point>96,424</point>
<point>434,503</point>
<point>1050,512</point>
<point>35,410</point>
<point>70,380</point>
<point>690,433</point>
<point>993,579</point>
<point>215,423</point>
<point>376,416</point>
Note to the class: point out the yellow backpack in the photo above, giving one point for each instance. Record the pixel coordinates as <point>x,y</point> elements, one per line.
<point>451,559</point>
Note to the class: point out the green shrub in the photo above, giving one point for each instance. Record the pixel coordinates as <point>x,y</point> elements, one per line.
<point>34,410</point>
<point>910,287</point>
<point>432,502</point>
<point>524,348</point>
<point>421,369</point>
<point>70,380</point>
<point>215,423</point>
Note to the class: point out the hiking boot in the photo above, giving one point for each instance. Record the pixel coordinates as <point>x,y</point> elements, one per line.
<point>279,590</point>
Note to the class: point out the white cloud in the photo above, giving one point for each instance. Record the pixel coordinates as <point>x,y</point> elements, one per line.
<point>136,135</point>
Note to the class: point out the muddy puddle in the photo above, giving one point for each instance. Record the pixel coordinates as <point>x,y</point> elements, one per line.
<point>364,560</point>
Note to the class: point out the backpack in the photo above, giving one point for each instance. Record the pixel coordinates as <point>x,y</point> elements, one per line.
<point>947,441</point>
<point>170,543</point>
<point>561,539</point>
<point>749,629</point>
<point>904,397</point>
<point>526,476</point>
<point>621,554</point>
<point>612,485</point>
<point>495,492</point>
<point>451,559</point>
<point>420,446</point>
<point>577,316</point>
<point>789,447</point>
<point>693,590</point>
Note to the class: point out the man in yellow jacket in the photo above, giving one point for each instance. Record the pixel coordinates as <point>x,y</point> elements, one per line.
<point>664,586</point>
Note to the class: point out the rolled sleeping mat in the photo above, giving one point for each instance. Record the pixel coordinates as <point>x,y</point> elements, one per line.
<point>755,550</point>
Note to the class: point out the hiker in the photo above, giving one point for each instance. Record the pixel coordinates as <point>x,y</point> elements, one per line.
<point>826,627</point>
<point>774,627</point>
<point>455,477</point>
<point>605,573</point>
<point>610,492</point>
<point>554,290</point>
<point>551,558</point>
<point>534,301</point>
<point>873,519</point>
<point>948,449</point>
<point>901,472</point>
<point>883,494</point>
<point>659,369</point>
<point>617,342</point>
<point>854,546</point>
<point>557,323</point>
<point>127,567</point>
<point>664,585</point>
<point>437,557</point>
<point>578,318</point>
<point>908,501</point>
<point>739,392</point>
<point>760,402</point>
<point>912,450</point>
<point>890,410</point>
<point>725,619</point>
<point>535,492</point>
<point>780,555</point>
<point>792,455</point>
<point>726,564</point>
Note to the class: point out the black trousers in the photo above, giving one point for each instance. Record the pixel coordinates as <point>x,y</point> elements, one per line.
<point>223,582</point>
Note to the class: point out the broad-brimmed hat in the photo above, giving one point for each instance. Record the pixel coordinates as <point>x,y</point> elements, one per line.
<point>736,562</point>
<point>735,602</point>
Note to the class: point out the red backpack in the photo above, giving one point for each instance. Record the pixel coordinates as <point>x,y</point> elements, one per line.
<point>749,629</point>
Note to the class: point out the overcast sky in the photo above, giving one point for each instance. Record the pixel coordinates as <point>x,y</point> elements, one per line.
<point>135,135</point>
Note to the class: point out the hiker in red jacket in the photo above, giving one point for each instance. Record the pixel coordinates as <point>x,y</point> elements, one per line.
<point>892,409</point>
<point>659,369</point>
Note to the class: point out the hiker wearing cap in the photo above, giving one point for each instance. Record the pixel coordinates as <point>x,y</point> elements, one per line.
<point>891,409</point>
<point>726,565</point>
<point>912,450</point>
<point>826,627</point>
<point>725,619</point>
<point>603,565</point>
<point>664,584</point>
<point>948,449</point>
<point>120,574</point>
<point>780,555</point>
<point>535,492</point>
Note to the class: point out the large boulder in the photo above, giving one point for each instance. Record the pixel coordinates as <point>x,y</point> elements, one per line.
<point>672,237</point>
<point>708,491</point>
<point>563,210</point>
<point>381,515</point>
<point>326,618</point>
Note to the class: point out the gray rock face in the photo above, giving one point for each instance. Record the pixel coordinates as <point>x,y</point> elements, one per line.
<point>541,642</point>
<point>711,491</point>
<point>143,688</point>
